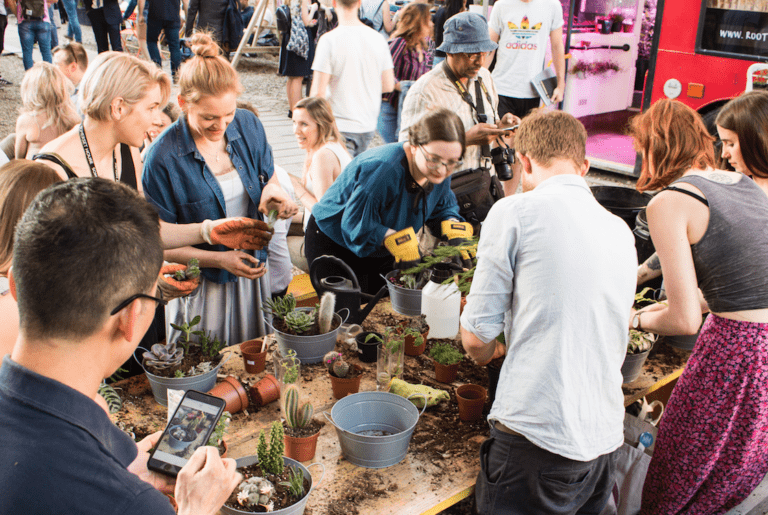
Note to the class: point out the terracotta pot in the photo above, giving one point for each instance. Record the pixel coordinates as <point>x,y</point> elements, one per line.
<point>253,360</point>
<point>224,448</point>
<point>471,399</point>
<point>233,392</point>
<point>301,449</point>
<point>411,349</point>
<point>265,391</point>
<point>446,373</point>
<point>345,386</point>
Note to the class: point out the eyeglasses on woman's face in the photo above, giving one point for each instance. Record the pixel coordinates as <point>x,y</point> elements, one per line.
<point>434,162</point>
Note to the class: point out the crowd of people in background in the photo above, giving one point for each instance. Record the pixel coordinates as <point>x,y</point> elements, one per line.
<point>103,141</point>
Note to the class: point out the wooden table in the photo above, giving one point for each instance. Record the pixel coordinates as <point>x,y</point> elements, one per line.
<point>416,485</point>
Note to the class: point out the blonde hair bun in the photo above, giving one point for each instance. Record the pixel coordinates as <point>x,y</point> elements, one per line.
<point>203,45</point>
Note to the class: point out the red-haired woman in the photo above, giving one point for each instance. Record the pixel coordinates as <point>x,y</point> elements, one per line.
<point>710,230</point>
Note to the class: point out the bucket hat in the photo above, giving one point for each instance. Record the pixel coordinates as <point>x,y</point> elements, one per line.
<point>466,33</point>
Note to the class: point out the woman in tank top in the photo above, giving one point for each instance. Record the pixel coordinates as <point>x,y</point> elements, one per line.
<point>316,132</point>
<point>710,230</point>
<point>214,162</point>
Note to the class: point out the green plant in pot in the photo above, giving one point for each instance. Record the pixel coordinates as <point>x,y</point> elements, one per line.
<point>414,332</point>
<point>345,378</point>
<point>446,358</point>
<point>217,436</point>
<point>301,431</point>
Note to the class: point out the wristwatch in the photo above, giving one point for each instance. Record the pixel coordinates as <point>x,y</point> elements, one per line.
<point>636,322</point>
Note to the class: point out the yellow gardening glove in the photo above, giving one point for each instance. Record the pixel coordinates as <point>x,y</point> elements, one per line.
<point>405,247</point>
<point>237,233</point>
<point>403,389</point>
<point>457,234</point>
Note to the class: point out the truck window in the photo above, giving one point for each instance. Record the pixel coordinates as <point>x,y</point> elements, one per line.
<point>734,28</point>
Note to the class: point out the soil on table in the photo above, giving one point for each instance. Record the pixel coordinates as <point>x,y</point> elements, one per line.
<point>310,429</point>
<point>282,497</point>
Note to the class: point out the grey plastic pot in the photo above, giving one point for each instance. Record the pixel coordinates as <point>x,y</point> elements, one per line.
<point>358,417</point>
<point>294,509</point>
<point>309,349</point>
<point>201,383</point>
<point>633,366</point>
<point>404,301</point>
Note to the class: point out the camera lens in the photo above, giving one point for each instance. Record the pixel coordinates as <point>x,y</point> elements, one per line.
<point>502,159</point>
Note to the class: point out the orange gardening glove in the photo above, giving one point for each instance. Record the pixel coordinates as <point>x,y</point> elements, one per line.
<point>173,288</point>
<point>237,233</point>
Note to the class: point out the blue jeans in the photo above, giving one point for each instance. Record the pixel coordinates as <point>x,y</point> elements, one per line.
<point>31,32</point>
<point>357,142</point>
<point>54,33</point>
<point>388,125</point>
<point>73,26</point>
<point>171,29</point>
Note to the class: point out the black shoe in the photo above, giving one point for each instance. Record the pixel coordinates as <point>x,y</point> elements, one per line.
<point>4,82</point>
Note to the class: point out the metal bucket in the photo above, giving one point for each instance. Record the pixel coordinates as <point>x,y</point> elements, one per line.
<point>404,301</point>
<point>362,421</point>
<point>633,366</point>
<point>309,349</point>
<point>295,509</point>
<point>201,383</point>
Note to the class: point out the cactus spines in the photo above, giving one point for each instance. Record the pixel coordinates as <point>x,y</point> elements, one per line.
<point>331,358</point>
<point>325,312</point>
<point>340,368</point>
<point>262,449</point>
<point>295,415</point>
<point>276,448</point>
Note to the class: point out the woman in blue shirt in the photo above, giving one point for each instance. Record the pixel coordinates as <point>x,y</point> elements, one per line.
<point>385,195</point>
<point>214,162</point>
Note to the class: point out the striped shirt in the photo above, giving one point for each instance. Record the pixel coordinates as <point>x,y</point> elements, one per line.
<point>407,65</point>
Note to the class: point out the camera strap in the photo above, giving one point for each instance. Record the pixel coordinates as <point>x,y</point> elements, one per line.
<point>479,109</point>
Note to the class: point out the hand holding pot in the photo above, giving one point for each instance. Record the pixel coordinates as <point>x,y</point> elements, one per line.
<point>173,288</point>
<point>205,482</point>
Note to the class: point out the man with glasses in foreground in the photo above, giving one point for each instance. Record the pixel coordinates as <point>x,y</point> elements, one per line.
<point>85,267</point>
<point>463,86</point>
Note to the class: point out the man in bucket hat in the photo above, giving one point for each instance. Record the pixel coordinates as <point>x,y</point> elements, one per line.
<point>455,84</point>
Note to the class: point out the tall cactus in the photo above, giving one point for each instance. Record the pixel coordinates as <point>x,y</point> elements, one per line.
<point>295,415</point>
<point>325,313</point>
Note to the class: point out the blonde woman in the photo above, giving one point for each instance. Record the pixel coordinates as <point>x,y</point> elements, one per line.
<point>316,132</point>
<point>214,162</point>
<point>47,111</point>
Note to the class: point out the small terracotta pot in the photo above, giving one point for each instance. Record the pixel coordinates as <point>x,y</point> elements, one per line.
<point>411,349</point>
<point>265,391</point>
<point>233,392</point>
<point>301,449</point>
<point>446,373</point>
<point>253,360</point>
<point>471,399</point>
<point>343,386</point>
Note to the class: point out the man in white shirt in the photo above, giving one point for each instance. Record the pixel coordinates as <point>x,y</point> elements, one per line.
<point>352,68</point>
<point>522,28</point>
<point>557,275</point>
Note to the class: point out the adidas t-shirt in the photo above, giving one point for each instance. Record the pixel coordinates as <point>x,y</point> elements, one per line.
<point>523,29</point>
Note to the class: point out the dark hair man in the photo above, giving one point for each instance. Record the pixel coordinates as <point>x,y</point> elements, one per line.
<point>85,266</point>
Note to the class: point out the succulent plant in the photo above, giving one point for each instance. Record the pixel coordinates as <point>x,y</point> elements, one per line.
<point>280,306</point>
<point>445,354</point>
<point>295,483</point>
<point>341,368</point>
<point>299,321</point>
<point>161,357</point>
<point>330,358</point>
<point>271,457</point>
<point>256,491</point>
<point>325,312</point>
<point>336,364</point>
<point>191,272</point>
<point>295,415</point>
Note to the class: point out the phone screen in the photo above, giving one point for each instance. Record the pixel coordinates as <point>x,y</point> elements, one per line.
<point>190,427</point>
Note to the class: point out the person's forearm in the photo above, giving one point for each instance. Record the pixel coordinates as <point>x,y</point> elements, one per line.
<point>664,321</point>
<point>180,235</point>
<point>478,350</point>
<point>207,258</point>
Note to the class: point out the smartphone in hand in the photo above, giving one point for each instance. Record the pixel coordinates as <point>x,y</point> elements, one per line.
<point>190,427</point>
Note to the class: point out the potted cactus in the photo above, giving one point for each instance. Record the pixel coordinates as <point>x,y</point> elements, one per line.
<point>447,359</point>
<point>311,332</point>
<point>183,364</point>
<point>345,378</point>
<point>271,482</point>
<point>301,432</point>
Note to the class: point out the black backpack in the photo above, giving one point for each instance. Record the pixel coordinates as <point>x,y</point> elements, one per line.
<point>476,191</point>
<point>33,9</point>
<point>283,19</point>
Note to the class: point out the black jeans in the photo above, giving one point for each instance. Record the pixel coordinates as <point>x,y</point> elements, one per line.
<point>518,478</point>
<point>104,33</point>
<point>517,106</point>
<point>367,269</point>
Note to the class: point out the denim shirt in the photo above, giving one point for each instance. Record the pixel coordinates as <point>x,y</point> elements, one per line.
<point>181,186</point>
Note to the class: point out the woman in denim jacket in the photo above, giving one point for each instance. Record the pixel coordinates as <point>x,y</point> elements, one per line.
<point>214,162</point>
